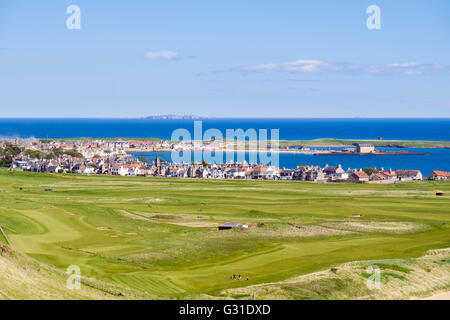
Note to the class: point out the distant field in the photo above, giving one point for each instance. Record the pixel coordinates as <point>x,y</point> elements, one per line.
<point>320,142</point>
<point>158,236</point>
<point>379,143</point>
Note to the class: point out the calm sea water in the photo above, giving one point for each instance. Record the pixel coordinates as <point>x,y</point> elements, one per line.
<point>290,129</point>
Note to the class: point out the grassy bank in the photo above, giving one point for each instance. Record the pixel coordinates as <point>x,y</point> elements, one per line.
<point>159,236</point>
<point>379,143</point>
<point>23,278</point>
<point>399,279</point>
<point>324,142</point>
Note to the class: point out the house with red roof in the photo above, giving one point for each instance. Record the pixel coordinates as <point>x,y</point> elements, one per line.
<point>440,175</point>
<point>390,175</point>
<point>359,176</point>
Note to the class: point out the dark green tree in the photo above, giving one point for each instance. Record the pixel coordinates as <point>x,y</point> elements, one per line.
<point>34,154</point>
<point>143,159</point>
<point>370,170</point>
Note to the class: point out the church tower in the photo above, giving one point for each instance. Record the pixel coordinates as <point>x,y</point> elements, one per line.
<point>158,164</point>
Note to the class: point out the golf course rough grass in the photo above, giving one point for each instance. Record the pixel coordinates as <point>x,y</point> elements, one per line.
<point>399,279</point>
<point>22,277</point>
<point>159,237</point>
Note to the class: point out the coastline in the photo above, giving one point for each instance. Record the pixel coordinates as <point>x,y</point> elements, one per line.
<point>314,143</point>
<point>310,152</point>
<point>333,142</point>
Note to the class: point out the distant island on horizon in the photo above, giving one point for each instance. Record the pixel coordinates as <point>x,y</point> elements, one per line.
<point>175,117</point>
<point>197,117</point>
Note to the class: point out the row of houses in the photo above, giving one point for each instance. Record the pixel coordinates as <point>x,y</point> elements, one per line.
<point>68,164</point>
<point>132,167</point>
<point>205,171</point>
<point>110,157</point>
<point>98,147</point>
<point>338,174</point>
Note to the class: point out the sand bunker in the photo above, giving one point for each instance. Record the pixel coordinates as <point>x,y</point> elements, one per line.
<point>372,226</point>
<point>287,231</point>
<point>102,228</point>
<point>164,216</point>
<point>153,217</point>
<point>132,233</point>
<point>70,213</point>
<point>171,216</point>
<point>196,224</point>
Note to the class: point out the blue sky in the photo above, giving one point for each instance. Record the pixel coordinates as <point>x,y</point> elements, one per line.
<point>225,59</point>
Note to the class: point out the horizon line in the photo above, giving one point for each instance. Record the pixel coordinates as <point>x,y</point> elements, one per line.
<point>219,118</point>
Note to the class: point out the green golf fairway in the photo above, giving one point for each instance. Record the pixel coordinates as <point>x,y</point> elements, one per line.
<point>160,235</point>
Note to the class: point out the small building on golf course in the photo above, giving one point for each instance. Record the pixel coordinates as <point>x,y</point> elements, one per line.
<point>230,225</point>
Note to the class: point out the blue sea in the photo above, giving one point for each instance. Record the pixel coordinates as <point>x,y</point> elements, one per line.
<point>289,129</point>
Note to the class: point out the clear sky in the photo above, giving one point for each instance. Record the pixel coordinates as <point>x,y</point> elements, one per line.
<point>225,59</point>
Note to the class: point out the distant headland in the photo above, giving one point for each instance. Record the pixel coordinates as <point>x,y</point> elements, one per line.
<point>175,117</point>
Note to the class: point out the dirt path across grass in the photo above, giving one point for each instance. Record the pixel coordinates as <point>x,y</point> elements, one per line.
<point>439,296</point>
<point>196,224</point>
